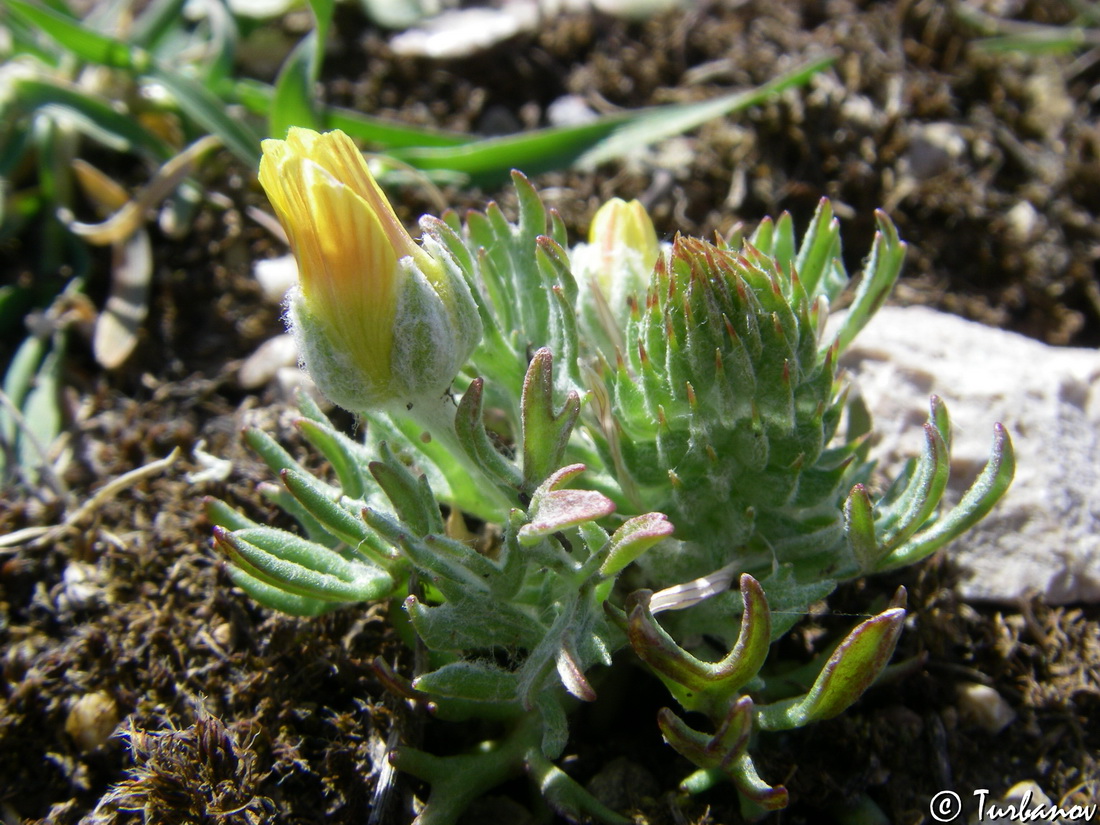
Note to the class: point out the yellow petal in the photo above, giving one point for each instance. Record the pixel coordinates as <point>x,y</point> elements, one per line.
<point>337,154</point>
<point>348,267</point>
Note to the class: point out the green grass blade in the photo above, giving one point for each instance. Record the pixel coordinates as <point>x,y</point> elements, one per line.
<point>209,112</point>
<point>378,133</point>
<point>25,40</point>
<point>79,39</point>
<point>155,21</point>
<point>651,125</point>
<point>1056,40</point>
<point>196,101</point>
<point>18,381</point>
<point>42,410</point>
<point>223,36</point>
<point>383,133</point>
<point>294,103</point>
<point>534,152</point>
<point>592,143</point>
<point>98,118</point>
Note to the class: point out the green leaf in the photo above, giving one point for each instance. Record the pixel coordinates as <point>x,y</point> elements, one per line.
<point>475,440</point>
<point>633,538</point>
<point>301,567</point>
<point>411,498</point>
<point>553,509</point>
<point>96,117</point>
<point>278,599</point>
<point>972,508</point>
<point>475,623</point>
<point>756,790</point>
<point>852,668</point>
<point>718,750</point>
<point>565,795</point>
<point>649,126</point>
<point>820,249</point>
<point>903,517</point>
<point>294,102</point>
<point>456,570</point>
<point>42,409</point>
<point>592,143</point>
<point>545,433</point>
<point>267,448</point>
<point>859,527</point>
<point>317,532</point>
<point>699,685</point>
<point>18,381</point>
<point>880,273</point>
<point>154,21</point>
<point>469,680</point>
<point>378,132</point>
<point>210,113</point>
<point>347,457</point>
<point>683,673</point>
<point>221,514</point>
<point>322,502</point>
<point>82,41</point>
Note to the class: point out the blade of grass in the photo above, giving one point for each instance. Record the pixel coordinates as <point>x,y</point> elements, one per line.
<point>1052,40</point>
<point>294,103</point>
<point>25,40</point>
<point>383,133</point>
<point>42,411</point>
<point>533,152</point>
<point>595,142</point>
<point>652,125</point>
<point>82,41</point>
<point>221,43</point>
<point>196,101</point>
<point>102,121</point>
<point>378,132</point>
<point>204,107</point>
<point>156,20</point>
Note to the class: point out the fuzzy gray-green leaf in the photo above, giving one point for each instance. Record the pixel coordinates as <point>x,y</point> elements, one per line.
<point>474,623</point>
<point>852,668</point>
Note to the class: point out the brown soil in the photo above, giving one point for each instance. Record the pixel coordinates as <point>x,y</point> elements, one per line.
<point>237,715</point>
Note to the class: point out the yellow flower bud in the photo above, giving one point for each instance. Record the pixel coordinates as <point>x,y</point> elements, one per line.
<point>379,320</point>
<point>615,264</point>
<point>624,242</point>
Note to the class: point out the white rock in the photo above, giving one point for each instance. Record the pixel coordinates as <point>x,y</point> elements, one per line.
<point>1044,535</point>
<point>264,364</point>
<point>986,708</point>
<point>636,9</point>
<point>463,32</point>
<point>1022,221</point>
<point>276,276</point>
<point>570,110</point>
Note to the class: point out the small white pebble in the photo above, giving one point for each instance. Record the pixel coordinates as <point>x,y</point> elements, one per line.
<point>986,708</point>
<point>264,364</point>
<point>275,276</point>
<point>1022,220</point>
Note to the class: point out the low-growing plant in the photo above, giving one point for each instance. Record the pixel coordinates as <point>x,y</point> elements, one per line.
<point>650,435</point>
